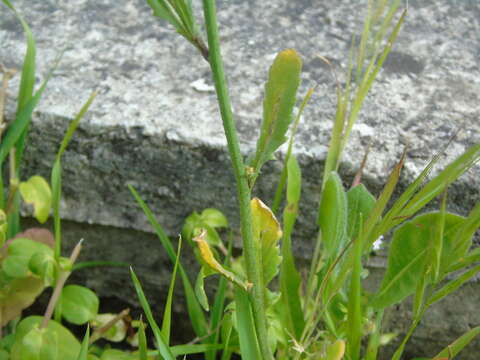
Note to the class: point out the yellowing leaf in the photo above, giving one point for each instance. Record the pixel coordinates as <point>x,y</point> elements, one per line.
<point>36,191</point>
<point>336,350</point>
<point>266,234</point>
<point>209,259</point>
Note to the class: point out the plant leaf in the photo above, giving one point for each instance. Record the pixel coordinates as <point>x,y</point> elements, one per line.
<point>266,235</point>
<point>332,216</point>
<point>79,304</point>
<point>82,355</point>
<point>195,313</point>
<point>290,280</point>
<point>360,203</point>
<point>409,252</point>
<point>454,348</point>
<point>67,345</point>
<point>280,98</point>
<point>36,191</point>
<point>167,313</point>
<point>162,345</point>
<point>209,259</point>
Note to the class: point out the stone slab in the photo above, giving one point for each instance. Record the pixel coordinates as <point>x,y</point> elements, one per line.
<point>155,122</point>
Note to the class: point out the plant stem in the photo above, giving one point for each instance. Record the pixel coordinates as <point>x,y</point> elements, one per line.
<point>59,286</point>
<point>243,191</point>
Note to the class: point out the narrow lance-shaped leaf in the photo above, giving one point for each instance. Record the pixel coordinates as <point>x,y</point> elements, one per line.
<point>280,98</point>
<point>332,216</point>
<point>195,313</point>
<point>83,354</point>
<point>167,313</point>
<point>162,345</point>
<point>290,280</point>
<point>454,348</point>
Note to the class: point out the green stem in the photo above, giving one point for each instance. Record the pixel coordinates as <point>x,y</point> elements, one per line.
<point>243,191</point>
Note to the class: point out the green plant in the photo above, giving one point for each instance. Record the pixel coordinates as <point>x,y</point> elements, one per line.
<point>30,260</point>
<point>327,315</point>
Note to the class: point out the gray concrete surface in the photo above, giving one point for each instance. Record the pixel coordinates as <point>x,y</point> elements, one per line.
<point>155,122</point>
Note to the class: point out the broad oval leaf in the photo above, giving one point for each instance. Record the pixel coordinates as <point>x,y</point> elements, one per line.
<point>409,252</point>
<point>79,304</point>
<point>19,254</point>
<point>36,191</point>
<point>280,98</point>
<point>266,235</point>
<point>214,218</point>
<point>68,346</point>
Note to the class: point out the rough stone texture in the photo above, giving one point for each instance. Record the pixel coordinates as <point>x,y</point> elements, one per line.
<point>155,122</point>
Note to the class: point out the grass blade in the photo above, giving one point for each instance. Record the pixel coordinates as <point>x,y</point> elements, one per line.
<point>162,345</point>
<point>195,312</point>
<point>84,348</point>
<point>167,314</point>
<point>142,341</point>
<point>454,348</point>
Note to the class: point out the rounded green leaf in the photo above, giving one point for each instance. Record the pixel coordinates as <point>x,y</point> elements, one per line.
<point>20,251</point>
<point>43,265</point>
<point>79,304</point>
<point>67,346</point>
<point>214,218</point>
<point>36,191</point>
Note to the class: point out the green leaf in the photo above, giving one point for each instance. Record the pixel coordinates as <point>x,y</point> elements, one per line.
<point>409,252</point>
<point>66,344</point>
<point>39,344</point>
<point>280,98</point>
<point>200,289</point>
<point>113,354</point>
<point>290,280</point>
<point>56,181</point>
<point>43,265</point>
<point>161,344</point>
<point>266,235</point>
<point>283,177</point>
<point>142,341</point>
<point>454,348</point>
<point>27,84</point>
<point>336,350</point>
<point>195,313</point>
<point>214,218</point>
<point>79,304</point>
<point>360,203</point>
<point>332,217</point>
<point>245,326</point>
<point>82,355</point>
<point>453,285</point>
<point>354,311</point>
<point>438,184</point>
<point>19,295</point>
<point>20,252</point>
<point>73,125</point>
<point>36,191</point>
<point>167,313</point>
